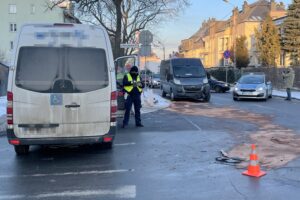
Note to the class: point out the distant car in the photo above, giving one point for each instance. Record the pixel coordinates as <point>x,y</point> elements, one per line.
<point>218,86</point>
<point>252,86</point>
<point>154,80</point>
<point>145,78</point>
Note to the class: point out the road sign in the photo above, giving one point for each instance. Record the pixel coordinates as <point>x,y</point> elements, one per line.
<point>128,46</point>
<point>145,50</point>
<point>227,54</point>
<point>146,37</point>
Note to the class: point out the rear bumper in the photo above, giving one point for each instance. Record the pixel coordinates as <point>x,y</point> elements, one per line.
<point>62,140</point>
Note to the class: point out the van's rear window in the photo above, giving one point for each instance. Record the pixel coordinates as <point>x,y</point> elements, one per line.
<point>61,70</point>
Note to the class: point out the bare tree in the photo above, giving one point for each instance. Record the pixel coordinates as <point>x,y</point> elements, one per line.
<point>124,18</point>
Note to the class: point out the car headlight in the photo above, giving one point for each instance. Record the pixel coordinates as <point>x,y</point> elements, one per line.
<point>205,80</point>
<point>226,85</point>
<point>261,89</point>
<point>177,81</point>
<point>236,89</point>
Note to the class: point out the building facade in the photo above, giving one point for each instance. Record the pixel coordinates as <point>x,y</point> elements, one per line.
<point>14,13</point>
<point>214,37</point>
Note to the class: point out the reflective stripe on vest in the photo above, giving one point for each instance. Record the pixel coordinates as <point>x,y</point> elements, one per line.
<point>130,88</point>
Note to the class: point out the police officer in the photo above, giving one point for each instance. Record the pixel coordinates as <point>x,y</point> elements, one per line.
<point>133,85</point>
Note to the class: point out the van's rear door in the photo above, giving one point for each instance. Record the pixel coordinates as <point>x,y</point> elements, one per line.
<point>37,113</point>
<point>61,92</point>
<point>86,110</point>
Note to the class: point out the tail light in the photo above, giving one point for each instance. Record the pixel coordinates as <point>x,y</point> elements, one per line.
<point>113,106</point>
<point>9,109</point>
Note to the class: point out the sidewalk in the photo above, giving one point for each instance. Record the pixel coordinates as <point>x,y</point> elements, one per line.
<point>282,93</point>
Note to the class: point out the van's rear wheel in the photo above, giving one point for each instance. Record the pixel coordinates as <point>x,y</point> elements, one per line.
<point>107,145</point>
<point>21,149</point>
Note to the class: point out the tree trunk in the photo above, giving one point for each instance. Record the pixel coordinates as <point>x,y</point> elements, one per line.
<point>117,50</point>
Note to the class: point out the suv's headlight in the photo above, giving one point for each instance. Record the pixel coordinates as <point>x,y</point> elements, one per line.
<point>236,88</point>
<point>205,80</point>
<point>177,81</point>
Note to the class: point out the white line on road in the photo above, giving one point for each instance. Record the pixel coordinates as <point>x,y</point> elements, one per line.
<point>195,125</point>
<point>126,192</point>
<point>125,144</point>
<point>95,172</point>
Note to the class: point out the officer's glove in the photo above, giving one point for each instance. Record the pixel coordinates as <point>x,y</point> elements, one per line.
<point>135,84</point>
<point>139,84</point>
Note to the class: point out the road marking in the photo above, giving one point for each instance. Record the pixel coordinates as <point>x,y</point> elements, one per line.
<point>195,125</point>
<point>124,192</point>
<point>95,172</point>
<point>125,144</point>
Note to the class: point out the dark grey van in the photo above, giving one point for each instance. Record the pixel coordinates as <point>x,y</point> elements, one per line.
<point>184,78</point>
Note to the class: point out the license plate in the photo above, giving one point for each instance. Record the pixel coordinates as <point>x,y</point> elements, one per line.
<point>247,93</point>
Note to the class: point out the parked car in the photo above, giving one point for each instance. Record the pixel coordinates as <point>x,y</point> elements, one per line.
<point>56,92</point>
<point>252,86</point>
<point>184,78</point>
<point>145,78</point>
<point>154,80</point>
<point>216,85</point>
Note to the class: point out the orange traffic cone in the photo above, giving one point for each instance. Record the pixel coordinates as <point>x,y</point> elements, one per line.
<point>253,168</point>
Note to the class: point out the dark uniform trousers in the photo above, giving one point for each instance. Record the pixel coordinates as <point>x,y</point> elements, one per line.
<point>134,99</point>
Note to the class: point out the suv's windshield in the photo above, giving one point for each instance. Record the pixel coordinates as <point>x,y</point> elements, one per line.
<point>252,79</point>
<point>61,70</point>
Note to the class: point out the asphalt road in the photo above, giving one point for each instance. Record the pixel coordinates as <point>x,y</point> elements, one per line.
<point>172,157</point>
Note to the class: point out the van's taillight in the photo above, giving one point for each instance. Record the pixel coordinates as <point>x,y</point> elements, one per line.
<point>113,106</point>
<point>9,109</point>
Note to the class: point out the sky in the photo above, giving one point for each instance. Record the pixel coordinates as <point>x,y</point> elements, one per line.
<point>171,32</point>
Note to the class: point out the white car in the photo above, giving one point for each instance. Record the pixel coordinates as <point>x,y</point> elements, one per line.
<point>252,86</point>
<point>61,87</point>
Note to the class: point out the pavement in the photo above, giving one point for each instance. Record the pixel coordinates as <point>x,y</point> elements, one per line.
<point>172,157</point>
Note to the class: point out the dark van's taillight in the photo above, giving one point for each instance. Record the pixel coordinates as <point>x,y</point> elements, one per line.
<point>9,110</point>
<point>113,108</point>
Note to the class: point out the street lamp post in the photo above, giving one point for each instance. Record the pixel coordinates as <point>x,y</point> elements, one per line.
<point>235,32</point>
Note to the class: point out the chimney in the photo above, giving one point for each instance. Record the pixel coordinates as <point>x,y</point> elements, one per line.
<point>273,5</point>
<point>245,6</point>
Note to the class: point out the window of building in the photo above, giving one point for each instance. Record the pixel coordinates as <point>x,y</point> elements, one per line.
<point>12,27</point>
<point>11,45</point>
<point>32,9</point>
<point>12,8</point>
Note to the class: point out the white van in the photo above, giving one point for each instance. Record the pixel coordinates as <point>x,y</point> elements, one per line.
<point>61,87</point>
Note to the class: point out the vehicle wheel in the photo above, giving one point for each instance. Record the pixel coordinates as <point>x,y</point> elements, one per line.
<point>172,96</point>
<point>107,145</point>
<point>163,93</point>
<point>270,97</point>
<point>218,89</point>
<point>207,98</point>
<point>21,149</point>
<point>235,99</point>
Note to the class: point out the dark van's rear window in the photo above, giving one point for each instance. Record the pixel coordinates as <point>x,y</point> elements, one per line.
<point>61,70</point>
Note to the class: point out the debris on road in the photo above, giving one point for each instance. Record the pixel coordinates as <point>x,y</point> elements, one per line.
<point>276,144</point>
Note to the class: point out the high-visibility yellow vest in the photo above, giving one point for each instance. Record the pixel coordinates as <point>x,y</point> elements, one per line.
<point>130,88</point>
